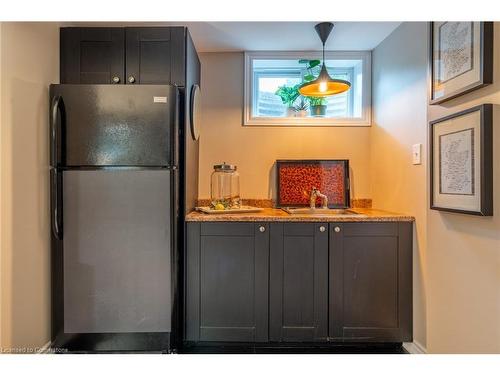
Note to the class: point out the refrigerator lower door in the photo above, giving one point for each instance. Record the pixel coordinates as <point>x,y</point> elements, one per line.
<point>117,251</point>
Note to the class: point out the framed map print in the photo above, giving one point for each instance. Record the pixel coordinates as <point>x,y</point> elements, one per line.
<point>461,58</point>
<point>461,157</point>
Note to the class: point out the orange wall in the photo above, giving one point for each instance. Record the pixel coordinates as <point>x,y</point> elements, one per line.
<point>255,149</point>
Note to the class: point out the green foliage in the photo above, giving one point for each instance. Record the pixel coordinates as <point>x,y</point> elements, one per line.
<point>310,65</point>
<point>314,101</point>
<point>309,77</point>
<point>288,94</point>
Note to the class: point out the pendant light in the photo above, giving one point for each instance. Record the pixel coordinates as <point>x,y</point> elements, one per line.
<point>324,85</point>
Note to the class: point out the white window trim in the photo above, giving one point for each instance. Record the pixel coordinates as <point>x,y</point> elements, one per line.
<point>364,120</point>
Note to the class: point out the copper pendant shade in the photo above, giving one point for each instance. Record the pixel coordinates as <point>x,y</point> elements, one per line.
<point>324,85</point>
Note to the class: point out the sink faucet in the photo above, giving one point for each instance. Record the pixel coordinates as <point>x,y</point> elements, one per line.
<point>312,199</point>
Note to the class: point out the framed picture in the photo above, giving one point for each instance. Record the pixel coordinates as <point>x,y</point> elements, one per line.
<point>461,157</point>
<point>460,58</point>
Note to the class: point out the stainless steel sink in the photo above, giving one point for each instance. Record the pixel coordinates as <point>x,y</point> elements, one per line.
<point>319,211</point>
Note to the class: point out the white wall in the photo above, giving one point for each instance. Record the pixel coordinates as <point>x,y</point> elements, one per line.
<point>29,63</point>
<point>463,304</point>
<point>400,112</point>
<point>457,257</point>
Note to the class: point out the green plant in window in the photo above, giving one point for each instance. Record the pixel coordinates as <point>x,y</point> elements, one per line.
<point>310,66</point>
<point>288,94</point>
<point>314,101</point>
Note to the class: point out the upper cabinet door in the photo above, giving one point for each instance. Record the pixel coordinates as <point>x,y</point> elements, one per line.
<point>154,55</point>
<point>93,55</point>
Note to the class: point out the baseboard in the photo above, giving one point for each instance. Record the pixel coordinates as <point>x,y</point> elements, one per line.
<point>414,348</point>
<point>44,349</point>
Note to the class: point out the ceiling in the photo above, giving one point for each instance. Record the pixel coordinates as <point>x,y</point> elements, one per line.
<point>279,36</point>
<point>286,36</point>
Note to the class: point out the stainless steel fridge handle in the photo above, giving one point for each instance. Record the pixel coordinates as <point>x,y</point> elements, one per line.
<point>54,202</point>
<point>56,101</point>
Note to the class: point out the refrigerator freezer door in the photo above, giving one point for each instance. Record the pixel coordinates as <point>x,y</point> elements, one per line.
<point>117,251</point>
<point>113,125</point>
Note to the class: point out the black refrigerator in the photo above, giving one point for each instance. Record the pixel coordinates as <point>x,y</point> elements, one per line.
<point>114,168</point>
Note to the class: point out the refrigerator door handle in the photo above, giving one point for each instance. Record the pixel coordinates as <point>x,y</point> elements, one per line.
<point>54,203</point>
<point>56,103</point>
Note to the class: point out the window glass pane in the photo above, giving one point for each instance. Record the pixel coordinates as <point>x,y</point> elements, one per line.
<point>267,103</point>
<point>269,75</point>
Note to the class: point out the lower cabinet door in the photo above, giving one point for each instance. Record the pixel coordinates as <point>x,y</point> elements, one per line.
<point>298,303</point>
<point>227,272</point>
<point>371,282</point>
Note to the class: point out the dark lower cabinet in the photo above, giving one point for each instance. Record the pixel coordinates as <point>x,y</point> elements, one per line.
<point>371,282</point>
<point>298,282</point>
<point>298,290</point>
<point>227,282</point>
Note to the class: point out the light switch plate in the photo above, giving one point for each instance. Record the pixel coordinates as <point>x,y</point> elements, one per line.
<point>416,153</point>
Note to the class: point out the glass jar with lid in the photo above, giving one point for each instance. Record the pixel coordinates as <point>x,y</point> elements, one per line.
<point>225,187</point>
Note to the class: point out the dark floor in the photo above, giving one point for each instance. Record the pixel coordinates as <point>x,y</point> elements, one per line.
<point>331,349</point>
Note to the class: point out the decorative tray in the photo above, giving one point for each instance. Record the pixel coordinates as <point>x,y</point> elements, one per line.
<point>241,210</point>
<point>296,178</point>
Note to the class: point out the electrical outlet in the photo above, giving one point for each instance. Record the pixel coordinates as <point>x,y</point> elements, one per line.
<point>416,153</point>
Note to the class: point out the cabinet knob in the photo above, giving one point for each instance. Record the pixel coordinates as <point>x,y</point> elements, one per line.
<point>322,228</point>
<point>116,79</point>
<point>131,79</point>
<point>262,228</point>
<point>336,229</point>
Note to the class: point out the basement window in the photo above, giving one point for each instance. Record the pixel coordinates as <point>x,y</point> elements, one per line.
<point>269,74</point>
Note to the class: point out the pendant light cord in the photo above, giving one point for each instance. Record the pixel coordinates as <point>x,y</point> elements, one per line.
<point>324,54</point>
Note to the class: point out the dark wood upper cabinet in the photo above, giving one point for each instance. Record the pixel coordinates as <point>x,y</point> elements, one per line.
<point>371,282</point>
<point>298,290</point>
<point>227,267</point>
<point>131,55</point>
<point>155,55</point>
<point>92,55</point>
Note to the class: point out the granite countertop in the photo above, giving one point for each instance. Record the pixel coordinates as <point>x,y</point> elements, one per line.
<point>278,215</point>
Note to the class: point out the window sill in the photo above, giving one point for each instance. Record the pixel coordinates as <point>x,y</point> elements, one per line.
<point>306,122</point>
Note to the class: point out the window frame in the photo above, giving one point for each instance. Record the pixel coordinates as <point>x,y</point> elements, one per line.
<point>249,87</point>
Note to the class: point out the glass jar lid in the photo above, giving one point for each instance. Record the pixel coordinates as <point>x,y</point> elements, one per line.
<point>225,167</point>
